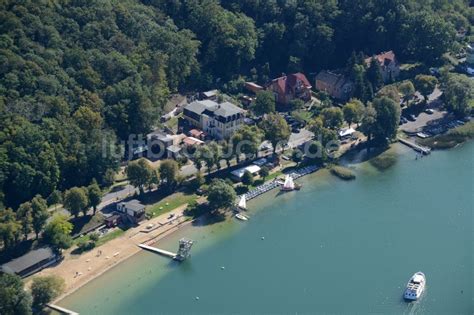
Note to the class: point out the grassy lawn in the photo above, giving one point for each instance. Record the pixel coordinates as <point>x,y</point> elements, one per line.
<point>84,223</point>
<point>173,122</point>
<point>102,240</point>
<point>171,202</point>
<point>110,236</point>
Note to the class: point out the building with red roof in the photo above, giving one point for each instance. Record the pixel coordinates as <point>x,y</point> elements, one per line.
<point>289,87</point>
<point>388,64</point>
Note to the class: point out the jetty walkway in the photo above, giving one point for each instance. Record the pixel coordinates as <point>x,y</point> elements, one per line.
<point>260,190</point>
<point>61,310</point>
<point>158,251</point>
<point>414,146</point>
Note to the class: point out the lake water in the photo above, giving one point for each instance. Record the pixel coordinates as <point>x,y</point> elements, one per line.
<point>333,247</point>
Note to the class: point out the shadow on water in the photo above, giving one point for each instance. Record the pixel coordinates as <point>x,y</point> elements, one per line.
<point>204,218</point>
<point>361,154</point>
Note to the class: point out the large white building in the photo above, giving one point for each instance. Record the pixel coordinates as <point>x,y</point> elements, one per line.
<point>217,120</point>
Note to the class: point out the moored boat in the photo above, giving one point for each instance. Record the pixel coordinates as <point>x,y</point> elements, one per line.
<point>241,217</point>
<point>415,286</point>
<point>289,184</point>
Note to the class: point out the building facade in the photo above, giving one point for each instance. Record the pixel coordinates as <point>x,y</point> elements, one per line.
<point>388,64</point>
<point>334,84</point>
<point>217,120</point>
<point>290,87</point>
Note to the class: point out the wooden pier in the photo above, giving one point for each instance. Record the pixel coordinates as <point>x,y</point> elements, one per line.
<point>260,190</point>
<point>158,251</point>
<point>414,146</point>
<point>61,310</point>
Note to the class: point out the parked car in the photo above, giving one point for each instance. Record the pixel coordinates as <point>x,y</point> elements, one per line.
<point>429,111</point>
<point>411,117</point>
<point>403,120</point>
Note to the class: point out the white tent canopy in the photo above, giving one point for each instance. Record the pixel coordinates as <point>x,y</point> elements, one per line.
<point>253,169</point>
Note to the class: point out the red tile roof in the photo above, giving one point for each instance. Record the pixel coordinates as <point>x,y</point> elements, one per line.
<point>289,82</point>
<point>382,57</point>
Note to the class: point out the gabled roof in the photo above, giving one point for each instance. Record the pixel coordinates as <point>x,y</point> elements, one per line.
<point>331,78</point>
<point>286,82</point>
<point>383,58</point>
<point>292,78</point>
<point>28,260</point>
<point>134,205</point>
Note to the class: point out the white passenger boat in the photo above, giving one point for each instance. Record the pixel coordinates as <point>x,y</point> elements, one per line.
<point>415,286</point>
<point>241,217</point>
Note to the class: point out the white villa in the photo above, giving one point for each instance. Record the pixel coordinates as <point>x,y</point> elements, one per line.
<point>217,120</point>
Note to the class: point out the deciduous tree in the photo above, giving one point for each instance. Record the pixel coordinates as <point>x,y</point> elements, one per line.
<point>265,103</point>
<point>459,94</point>
<point>425,84</point>
<point>24,214</point>
<point>169,172</point>
<point>408,90</point>
<point>140,174</point>
<point>247,178</point>
<point>45,289</point>
<point>353,111</point>
<point>76,200</point>
<point>39,213</point>
<point>15,299</point>
<point>333,117</point>
<point>221,195</point>
<point>276,130</point>
<point>57,233</point>
<point>94,194</point>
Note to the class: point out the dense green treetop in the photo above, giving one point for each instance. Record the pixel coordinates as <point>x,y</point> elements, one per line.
<point>15,299</point>
<point>76,76</point>
<point>221,195</point>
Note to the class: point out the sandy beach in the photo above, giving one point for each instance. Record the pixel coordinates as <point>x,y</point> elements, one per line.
<point>77,270</point>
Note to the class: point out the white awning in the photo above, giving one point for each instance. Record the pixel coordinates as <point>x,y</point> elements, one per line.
<point>346,132</point>
<point>253,169</point>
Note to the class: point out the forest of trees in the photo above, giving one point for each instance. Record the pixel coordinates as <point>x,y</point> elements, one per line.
<point>77,74</point>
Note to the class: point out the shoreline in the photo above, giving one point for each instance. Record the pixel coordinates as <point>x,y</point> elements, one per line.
<point>152,237</point>
<point>79,270</point>
<point>116,263</point>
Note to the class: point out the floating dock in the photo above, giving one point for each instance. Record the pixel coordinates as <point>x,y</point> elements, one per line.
<point>61,310</point>
<point>414,146</point>
<point>260,190</point>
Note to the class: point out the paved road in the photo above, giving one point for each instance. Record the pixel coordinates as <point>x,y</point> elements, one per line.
<point>122,192</point>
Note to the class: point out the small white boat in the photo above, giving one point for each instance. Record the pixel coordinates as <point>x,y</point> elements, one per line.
<point>241,217</point>
<point>243,203</point>
<point>289,184</point>
<point>415,286</point>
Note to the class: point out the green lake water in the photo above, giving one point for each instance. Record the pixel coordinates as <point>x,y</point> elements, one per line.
<point>334,247</point>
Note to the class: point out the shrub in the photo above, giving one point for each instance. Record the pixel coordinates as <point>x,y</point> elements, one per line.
<point>343,173</point>
<point>384,161</point>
